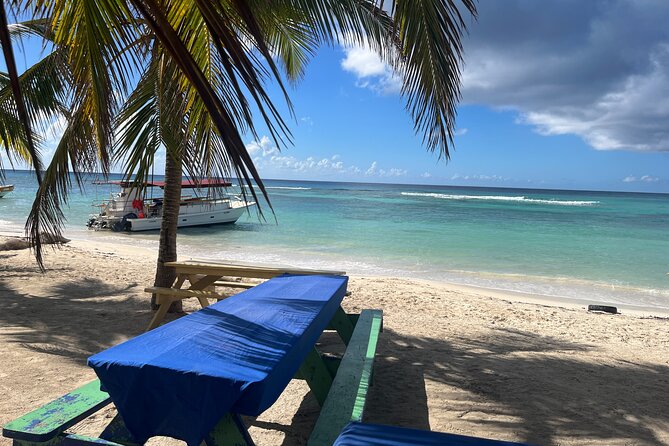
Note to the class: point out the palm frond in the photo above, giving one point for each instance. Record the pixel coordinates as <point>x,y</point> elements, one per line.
<point>153,116</point>
<point>95,36</point>
<point>430,34</point>
<point>45,87</point>
<point>12,136</point>
<point>292,41</point>
<point>5,40</point>
<point>239,158</point>
<point>238,59</point>
<point>74,155</point>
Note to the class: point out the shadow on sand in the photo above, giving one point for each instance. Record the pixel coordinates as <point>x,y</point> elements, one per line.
<point>513,388</point>
<point>516,385</point>
<point>512,385</point>
<point>73,319</point>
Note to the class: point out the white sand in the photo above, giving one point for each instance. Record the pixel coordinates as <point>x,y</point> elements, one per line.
<point>451,358</point>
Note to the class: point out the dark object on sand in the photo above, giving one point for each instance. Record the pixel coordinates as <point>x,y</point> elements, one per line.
<point>603,308</point>
<point>18,243</point>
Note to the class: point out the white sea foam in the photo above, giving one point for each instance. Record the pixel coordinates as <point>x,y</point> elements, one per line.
<point>504,198</point>
<point>288,188</point>
<point>10,226</point>
<point>284,187</point>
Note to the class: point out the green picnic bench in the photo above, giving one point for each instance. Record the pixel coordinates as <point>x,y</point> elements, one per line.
<point>340,385</point>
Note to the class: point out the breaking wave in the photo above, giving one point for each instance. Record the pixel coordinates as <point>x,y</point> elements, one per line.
<point>288,187</point>
<point>283,187</point>
<point>504,198</point>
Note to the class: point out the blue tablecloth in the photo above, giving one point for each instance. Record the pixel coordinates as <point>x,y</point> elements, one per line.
<point>237,356</point>
<point>363,434</point>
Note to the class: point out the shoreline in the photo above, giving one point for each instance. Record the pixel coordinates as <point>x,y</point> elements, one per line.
<point>572,303</point>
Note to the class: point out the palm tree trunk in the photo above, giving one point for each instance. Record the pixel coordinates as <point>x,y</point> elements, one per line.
<point>167,250</point>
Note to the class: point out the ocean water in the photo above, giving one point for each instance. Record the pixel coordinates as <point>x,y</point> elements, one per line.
<point>599,246</point>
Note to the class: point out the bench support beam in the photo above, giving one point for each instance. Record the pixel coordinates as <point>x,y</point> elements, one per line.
<point>230,431</point>
<point>317,375</point>
<point>117,432</point>
<point>346,400</point>
<point>343,324</point>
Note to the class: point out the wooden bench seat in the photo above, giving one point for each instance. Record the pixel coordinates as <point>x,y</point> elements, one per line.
<point>346,399</point>
<point>54,418</point>
<point>163,293</point>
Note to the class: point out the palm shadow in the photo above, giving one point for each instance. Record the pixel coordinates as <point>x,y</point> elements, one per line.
<point>514,383</point>
<point>72,319</point>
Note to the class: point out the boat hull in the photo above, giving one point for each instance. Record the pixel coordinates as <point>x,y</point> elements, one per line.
<point>213,217</point>
<point>4,190</point>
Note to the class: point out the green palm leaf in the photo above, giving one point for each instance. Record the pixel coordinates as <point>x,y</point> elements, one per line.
<point>5,40</point>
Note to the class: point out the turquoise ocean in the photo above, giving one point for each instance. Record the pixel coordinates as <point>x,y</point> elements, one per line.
<point>599,246</point>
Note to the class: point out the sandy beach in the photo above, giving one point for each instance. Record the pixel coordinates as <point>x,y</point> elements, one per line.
<point>451,358</point>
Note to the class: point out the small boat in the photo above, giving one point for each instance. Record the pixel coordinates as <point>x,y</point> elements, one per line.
<point>4,190</point>
<point>127,210</point>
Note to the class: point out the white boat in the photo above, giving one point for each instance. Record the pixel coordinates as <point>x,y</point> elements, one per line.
<point>126,210</point>
<point>4,190</point>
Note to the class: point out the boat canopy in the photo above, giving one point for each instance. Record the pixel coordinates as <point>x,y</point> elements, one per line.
<point>186,184</point>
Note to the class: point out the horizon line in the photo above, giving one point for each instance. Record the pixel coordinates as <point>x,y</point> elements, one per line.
<point>403,184</point>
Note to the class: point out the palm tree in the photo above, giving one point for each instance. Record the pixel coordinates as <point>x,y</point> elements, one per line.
<point>219,55</point>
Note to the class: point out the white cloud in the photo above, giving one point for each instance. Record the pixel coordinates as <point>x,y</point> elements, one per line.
<point>371,170</point>
<point>478,177</point>
<point>461,132</point>
<point>642,179</point>
<point>268,158</point>
<point>426,174</point>
<point>374,171</point>
<point>370,70</point>
<point>363,62</point>
<point>307,120</point>
<point>264,147</point>
<point>393,172</point>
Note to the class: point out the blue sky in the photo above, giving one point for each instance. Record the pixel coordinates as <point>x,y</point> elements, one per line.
<point>552,98</point>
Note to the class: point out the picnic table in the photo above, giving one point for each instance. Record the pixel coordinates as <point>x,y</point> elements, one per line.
<point>199,278</point>
<point>194,377</point>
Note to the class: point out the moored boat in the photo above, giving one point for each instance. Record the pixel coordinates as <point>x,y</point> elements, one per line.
<point>130,210</point>
<point>5,189</point>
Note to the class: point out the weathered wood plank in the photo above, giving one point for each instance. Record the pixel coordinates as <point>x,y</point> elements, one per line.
<point>244,285</point>
<point>182,293</point>
<point>230,431</point>
<point>82,440</point>
<point>242,271</point>
<point>346,400</point>
<point>53,418</point>
<point>343,324</point>
<point>117,432</point>
<point>166,296</point>
<point>317,374</point>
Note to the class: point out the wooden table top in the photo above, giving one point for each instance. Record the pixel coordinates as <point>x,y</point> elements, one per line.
<point>238,270</point>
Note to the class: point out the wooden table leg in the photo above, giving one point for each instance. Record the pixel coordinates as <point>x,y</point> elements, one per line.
<point>163,306</point>
<point>203,282</point>
<point>230,430</point>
